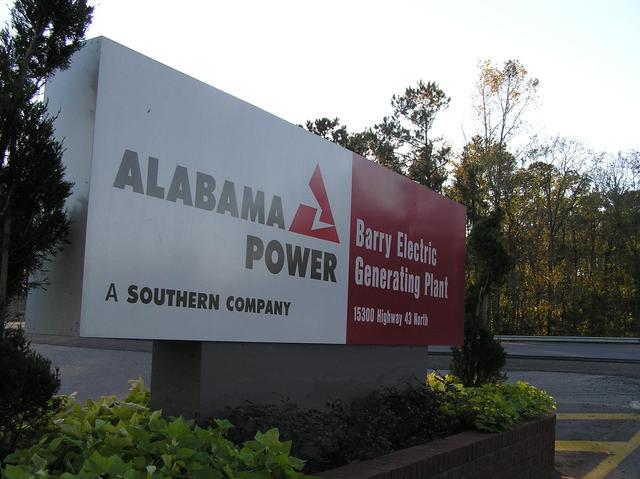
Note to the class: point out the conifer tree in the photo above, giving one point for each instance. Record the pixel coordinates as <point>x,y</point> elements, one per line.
<point>39,40</point>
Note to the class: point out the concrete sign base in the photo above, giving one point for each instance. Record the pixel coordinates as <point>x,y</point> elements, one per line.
<point>200,379</point>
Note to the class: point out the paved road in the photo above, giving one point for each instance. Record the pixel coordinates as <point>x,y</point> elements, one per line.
<point>629,353</point>
<point>94,367</point>
<point>593,384</point>
<point>92,372</point>
<point>598,428</point>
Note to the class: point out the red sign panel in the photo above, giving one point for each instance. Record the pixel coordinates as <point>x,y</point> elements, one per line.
<point>406,261</point>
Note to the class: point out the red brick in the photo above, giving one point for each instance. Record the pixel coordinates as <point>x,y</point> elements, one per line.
<point>526,451</point>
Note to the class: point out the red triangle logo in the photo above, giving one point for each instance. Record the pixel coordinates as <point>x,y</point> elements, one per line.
<point>305,216</point>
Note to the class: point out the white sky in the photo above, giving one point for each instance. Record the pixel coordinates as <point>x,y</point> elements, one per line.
<point>302,60</point>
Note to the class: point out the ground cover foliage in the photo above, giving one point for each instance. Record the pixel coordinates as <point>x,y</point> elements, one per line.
<point>127,439</point>
<point>345,431</point>
<point>391,418</point>
<point>490,407</point>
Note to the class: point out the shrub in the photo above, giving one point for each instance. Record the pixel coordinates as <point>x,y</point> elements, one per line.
<point>390,419</point>
<point>27,385</point>
<point>491,407</point>
<point>386,420</point>
<point>308,430</point>
<point>481,358</point>
<point>111,438</point>
<point>346,431</point>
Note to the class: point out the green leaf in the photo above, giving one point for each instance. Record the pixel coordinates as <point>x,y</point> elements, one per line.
<point>99,424</point>
<point>207,472</point>
<point>185,453</point>
<point>270,438</point>
<point>55,443</point>
<point>177,428</point>
<point>97,463</point>
<point>38,462</point>
<point>116,466</point>
<point>133,474</point>
<point>223,424</point>
<point>72,428</point>
<point>16,472</point>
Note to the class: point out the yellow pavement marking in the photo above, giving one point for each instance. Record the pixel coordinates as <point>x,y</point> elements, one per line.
<point>617,450</point>
<point>607,447</point>
<point>599,416</point>
<point>613,461</point>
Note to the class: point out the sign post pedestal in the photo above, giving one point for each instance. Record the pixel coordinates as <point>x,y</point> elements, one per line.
<point>200,379</point>
<point>176,379</point>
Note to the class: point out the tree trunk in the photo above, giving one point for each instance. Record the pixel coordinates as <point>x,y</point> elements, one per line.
<point>485,310</point>
<point>550,292</point>
<point>482,304</point>
<point>4,269</point>
<point>637,313</point>
<point>497,311</point>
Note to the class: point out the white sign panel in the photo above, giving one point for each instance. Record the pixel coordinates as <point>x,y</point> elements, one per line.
<point>192,197</point>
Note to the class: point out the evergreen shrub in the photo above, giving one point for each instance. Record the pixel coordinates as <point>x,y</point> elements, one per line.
<point>27,385</point>
<point>481,358</point>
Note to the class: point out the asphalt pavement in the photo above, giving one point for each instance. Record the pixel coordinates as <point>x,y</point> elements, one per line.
<point>94,366</point>
<point>92,372</point>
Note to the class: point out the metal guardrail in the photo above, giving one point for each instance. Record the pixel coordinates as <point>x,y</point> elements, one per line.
<point>567,339</point>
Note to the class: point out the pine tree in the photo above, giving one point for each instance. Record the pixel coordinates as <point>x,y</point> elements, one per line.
<point>39,40</point>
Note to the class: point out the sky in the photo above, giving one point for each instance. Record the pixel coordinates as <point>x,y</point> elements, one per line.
<point>302,60</point>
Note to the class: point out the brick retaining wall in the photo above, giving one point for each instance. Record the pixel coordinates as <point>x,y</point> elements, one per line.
<point>524,452</point>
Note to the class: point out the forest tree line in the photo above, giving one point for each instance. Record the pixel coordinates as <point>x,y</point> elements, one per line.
<point>553,228</point>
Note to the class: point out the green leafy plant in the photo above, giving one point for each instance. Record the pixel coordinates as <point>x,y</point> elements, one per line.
<point>345,431</point>
<point>392,418</point>
<point>126,439</point>
<point>26,391</point>
<point>386,420</point>
<point>490,407</point>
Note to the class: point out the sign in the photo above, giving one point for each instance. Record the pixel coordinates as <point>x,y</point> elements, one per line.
<point>406,260</point>
<point>210,219</point>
